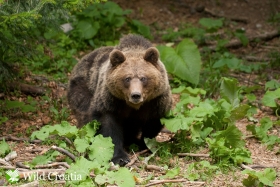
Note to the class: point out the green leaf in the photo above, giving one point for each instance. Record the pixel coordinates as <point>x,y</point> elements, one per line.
<point>229,91</point>
<point>184,62</point>
<point>211,23</point>
<point>44,159</point>
<point>240,34</point>
<point>88,29</point>
<point>238,113</point>
<point>232,136</point>
<point>101,150</point>
<point>43,133</point>
<point>270,97</point>
<point>171,173</point>
<point>89,130</point>
<point>232,63</point>
<point>122,178</point>
<point>63,129</point>
<point>81,145</point>
<point>203,109</point>
<point>265,177</point>
<point>273,84</point>
<point>4,148</point>
<point>13,104</point>
<point>81,168</point>
<point>178,123</point>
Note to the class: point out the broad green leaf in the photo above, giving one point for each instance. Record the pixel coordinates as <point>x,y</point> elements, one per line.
<point>67,130</point>
<point>101,149</point>
<point>202,110</point>
<point>4,148</point>
<point>88,29</point>
<point>242,37</point>
<point>231,63</point>
<point>43,133</point>
<point>89,130</point>
<point>273,84</point>
<point>270,97</point>
<point>121,177</point>
<point>63,129</point>
<point>81,169</point>
<point>13,104</point>
<point>184,61</point>
<point>44,159</point>
<point>259,178</point>
<point>172,173</point>
<point>28,108</point>
<point>152,144</point>
<point>175,124</point>
<point>232,136</point>
<point>229,91</point>
<point>238,112</point>
<point>81,145</point>
<point>210,23</point>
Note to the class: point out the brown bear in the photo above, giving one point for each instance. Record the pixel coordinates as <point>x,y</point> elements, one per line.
<point>125,88</point>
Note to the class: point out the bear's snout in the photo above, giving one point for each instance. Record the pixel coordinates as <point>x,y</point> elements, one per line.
<point>136,96</point>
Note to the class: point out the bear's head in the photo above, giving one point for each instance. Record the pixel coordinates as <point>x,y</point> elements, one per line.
<point>136,76</point>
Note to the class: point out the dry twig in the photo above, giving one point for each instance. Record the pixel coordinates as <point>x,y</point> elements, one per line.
<point>135,157</point>
<point>4,162</point>
<point>12,155</point>
<point>214,14</point>
<point>193,154</point>
<point>154,167</point>
<point>155,182</point>
<point>12,138</point>
<point>246,167</point>
<point>65,152</point>
<point>26,88</point>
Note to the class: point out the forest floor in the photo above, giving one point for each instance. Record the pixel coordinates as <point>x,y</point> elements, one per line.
<point>251,16</point>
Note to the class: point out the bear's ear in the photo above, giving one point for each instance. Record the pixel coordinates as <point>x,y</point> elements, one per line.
<point>116,57</point>
<point>152,55</point>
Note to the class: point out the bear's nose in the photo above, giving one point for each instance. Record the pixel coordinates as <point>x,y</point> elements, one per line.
<point>136,96</point>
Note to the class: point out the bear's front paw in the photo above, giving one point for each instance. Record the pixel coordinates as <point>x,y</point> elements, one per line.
<point>121,160</point>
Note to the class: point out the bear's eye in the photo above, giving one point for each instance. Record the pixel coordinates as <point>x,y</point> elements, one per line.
<point>143,79</point>
<point>127,79</point>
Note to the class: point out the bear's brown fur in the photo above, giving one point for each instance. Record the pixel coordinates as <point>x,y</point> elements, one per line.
<point>125,88</point>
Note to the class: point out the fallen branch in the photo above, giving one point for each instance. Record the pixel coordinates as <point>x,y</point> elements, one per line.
<point>193,154</point>
<point>12,138</point>
<point>135,157</point>
<point>155,182</point>
<point>65,164</point>
<point>237,43</point>
<point>43,166</point>
<point>63,151</point>
<point>237,19</point>
<point>260,166</point>
<point>21,165</point>
<point>154,167</point>
<point>12,155</point>
<point>257,59</point>
<point>4,162</point>
<point>27,89</point>
<point>7,167</point>
<point>246,167</point>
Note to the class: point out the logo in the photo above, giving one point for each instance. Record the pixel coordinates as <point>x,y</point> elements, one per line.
<point>12,176</point>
